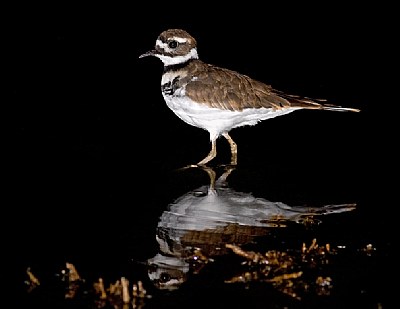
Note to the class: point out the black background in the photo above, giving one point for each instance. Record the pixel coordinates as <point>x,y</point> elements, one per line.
<point>79,95</point>
<point>91,145</point>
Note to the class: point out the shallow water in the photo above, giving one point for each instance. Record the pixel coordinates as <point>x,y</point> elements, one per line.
<point>206,237</point>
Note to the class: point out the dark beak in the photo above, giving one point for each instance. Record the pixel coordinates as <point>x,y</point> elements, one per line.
<point>149,53</point>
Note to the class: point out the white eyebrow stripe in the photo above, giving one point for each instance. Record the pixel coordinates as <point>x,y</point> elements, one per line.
<point>180,40</point>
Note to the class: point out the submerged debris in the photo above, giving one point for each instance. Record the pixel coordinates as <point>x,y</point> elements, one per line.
<point>369,249</point>
<point>296,273</point>
<point>99,289</point>
<point>72,273</point>
<point>32,282</point>
<point>285,271</point>
<point>120,294</point>
<point>73,279</point>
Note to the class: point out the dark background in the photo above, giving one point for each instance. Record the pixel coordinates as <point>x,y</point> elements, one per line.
<point>79,95</point>
<point>92,149</point>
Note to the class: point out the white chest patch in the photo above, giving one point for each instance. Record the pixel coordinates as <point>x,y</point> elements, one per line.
<point>171,84</point>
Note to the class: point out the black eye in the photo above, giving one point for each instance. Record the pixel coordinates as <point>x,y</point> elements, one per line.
<point>165,277</point>
<point>172,44</point>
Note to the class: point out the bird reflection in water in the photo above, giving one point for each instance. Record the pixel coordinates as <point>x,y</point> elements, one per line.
<point>209,217</point>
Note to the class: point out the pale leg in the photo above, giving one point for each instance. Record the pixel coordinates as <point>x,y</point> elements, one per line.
<point>211,155</point>
<point>233,148</point>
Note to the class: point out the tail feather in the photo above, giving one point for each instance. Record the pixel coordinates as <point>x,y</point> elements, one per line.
<point>311,103</point>
<point>331,107</point>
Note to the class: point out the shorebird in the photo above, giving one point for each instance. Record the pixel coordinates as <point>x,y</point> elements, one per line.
<point>217,99</point>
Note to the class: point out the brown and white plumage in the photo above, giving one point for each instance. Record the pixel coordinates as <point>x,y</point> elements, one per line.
<point>218,99</point>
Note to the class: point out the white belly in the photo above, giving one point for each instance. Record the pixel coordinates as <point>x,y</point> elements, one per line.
<point>217,121</point>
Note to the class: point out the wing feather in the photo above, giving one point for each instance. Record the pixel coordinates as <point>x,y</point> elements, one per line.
<point>226,89</point>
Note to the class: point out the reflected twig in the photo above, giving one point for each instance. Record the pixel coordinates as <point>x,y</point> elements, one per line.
<point>285,271</point>
<point>32,282</point>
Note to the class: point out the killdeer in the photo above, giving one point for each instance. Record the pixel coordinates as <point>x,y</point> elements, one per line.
<point>218,99</point>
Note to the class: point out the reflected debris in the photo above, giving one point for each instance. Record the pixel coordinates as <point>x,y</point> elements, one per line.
<point>32,281</point>
<point>205,220</point>
<point>285,270</point>
<point>71,290</point>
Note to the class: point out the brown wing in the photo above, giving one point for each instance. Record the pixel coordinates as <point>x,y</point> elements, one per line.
<point>226,89</point>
